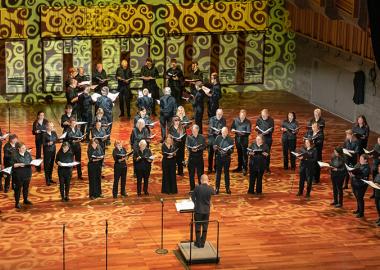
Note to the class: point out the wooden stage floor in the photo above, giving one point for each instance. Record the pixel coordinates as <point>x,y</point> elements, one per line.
<point>275,231</point>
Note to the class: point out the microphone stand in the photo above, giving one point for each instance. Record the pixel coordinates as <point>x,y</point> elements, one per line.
<point>162,250</point>
<point>63,247</point>
<point>106,244</point>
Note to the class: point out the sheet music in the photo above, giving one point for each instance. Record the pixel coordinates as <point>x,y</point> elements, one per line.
<point>347,152</point>
<point>63,136</point>
<point>350,169</point>
<point>4,136</point>
<point>372,184</point>
<point>81,123</point>
<point>84,83</point>
<point>7,170</point>
<point>36,162</point>
<point>324,164</point>
<point>113,96</point>
<point>296,154</point>
<point>69,164</point>
<point>185,205</point>
<point>264,131</point>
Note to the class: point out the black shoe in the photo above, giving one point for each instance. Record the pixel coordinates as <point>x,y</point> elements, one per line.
<point>121,115</point>
<point>286,168</point>
<point>377,221</point>
<point>359,215</point>
<point>217,191</point>
<point>338,205</point>
<point>28,202</point>
<point>92,198</point>
<point>333,203</point>
<point>114,196</point>
<point>1,187</point>
<point>80,177</point>
<point>6,189</point>
<point>268,172</point>
<point>307,196</point>
<point>48,184</point>
<point>146,193</point>
<point>139,194</point>
<point>62,199</point>
<point>18,206</point>
<point>228,191</point>
<point>67,199</point>
<point>237,170</point>
<point>101,196</point>
<point>372,196</point>
<point>124,195</point>
<point>345,187</point>
<point>355,212</point>
<point>209,170</point>
<point>244,172</point>
<point>52,182</point>
<point>299,194</point>
<point>181,174</point>
<point>251,192</point>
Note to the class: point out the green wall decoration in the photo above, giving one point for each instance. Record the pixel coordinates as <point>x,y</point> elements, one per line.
<point>36,21</point>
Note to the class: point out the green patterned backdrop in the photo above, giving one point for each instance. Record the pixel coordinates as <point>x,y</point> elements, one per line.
<point>27,18</point>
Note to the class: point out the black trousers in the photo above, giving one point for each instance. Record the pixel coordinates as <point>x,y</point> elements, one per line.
<point>64,175</point>
<point>21,184</point>
<point>377,203</point>
<point>306,175</point>
<point>287,147</point>
<point>196,163</point>
<point>317,175</point>
<point>77,156</point>
<point>169,181</point>
<point>211,156</point>
<point>177,93</point>
<point>49,157</point>
<point>7,180</point>
<point>255,180</point>
<point>125,96</point>
<point>212,108</point>
<point>198,117</point>
<point>94,178</point>
<point>242,155</point>
<point>85,129</point>
<point>201,227</point>
<point>120,174</point>
<point>109,128</point>
<point>164,121</point>
<point>38,142</point>
<point>268,141</point>
<point>180,157</point>
<point>223,163</point>
<point>142,174</point>
<point>359,192</point>
<point>337,179</point>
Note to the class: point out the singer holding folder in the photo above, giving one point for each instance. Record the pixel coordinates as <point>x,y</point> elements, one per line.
<point>39,127</point>
<point>265,127</point>
<point>49,139</point>
<point>120,157</point>
<point>338,174</point>
<point>169,152</point>
<point>95,157</point>
<point>258,151</point>
<point>74,136</point>
<point>196,144</point>
<point>178,133</point>
<point>22,173</point>
<point>241,126</point>
<point>308,156</point>
<point>289,128</point>
<point>224,147</point>
<point>359,188</point>
<point>216,123</point>
<point>143,159</point>
<point>64,155</point>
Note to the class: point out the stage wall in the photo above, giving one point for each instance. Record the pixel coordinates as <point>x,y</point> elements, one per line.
<point>249,43</point>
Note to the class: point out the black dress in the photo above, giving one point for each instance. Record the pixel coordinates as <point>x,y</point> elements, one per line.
<point>169,181</point>
<point>257,166</point>
<point>95,170</point>
<point>179,137</point>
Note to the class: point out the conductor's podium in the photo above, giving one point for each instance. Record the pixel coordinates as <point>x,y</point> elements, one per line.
<point>189,252</point>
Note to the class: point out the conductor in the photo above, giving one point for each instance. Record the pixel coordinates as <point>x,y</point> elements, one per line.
<point>201,197</point>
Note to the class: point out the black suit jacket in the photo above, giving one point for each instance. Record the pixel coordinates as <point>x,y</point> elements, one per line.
<point>202,198</point>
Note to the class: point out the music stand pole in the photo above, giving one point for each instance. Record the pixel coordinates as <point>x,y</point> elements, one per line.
<point>106,244</point>
<point>63,247</point>
<point>162,250</point>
